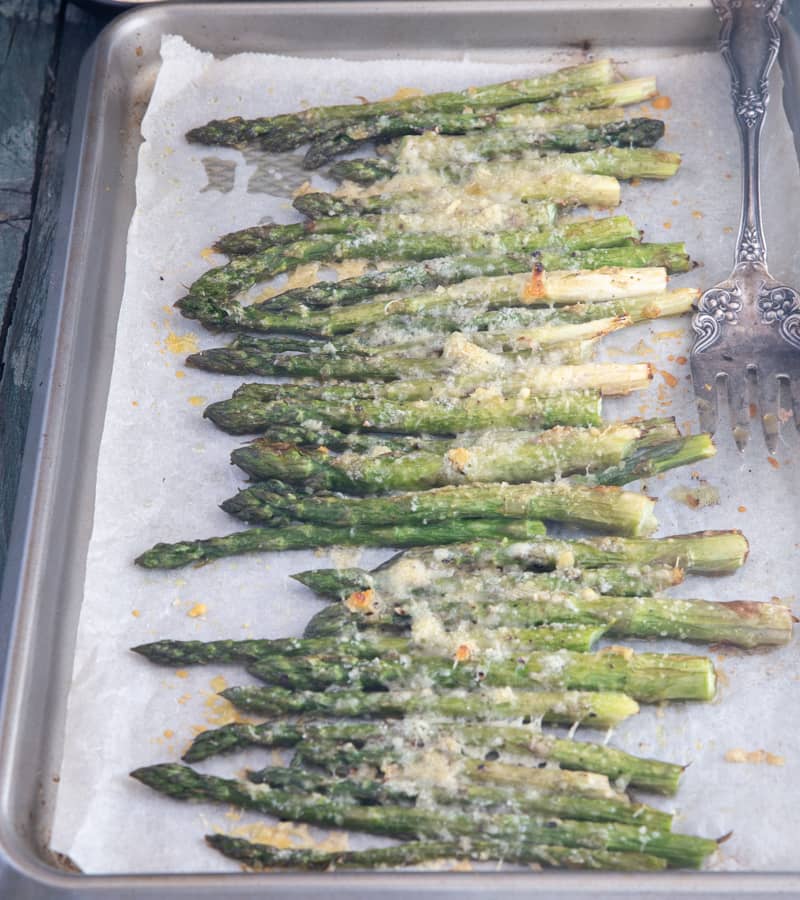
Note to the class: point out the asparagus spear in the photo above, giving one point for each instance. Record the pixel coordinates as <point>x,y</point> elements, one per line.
<point>444,163</point>
<point>363,171</point>
<point>510,329</point>
<point>511,142</point>
<point>616,162</point>
<point>311,536</point>
<point>434,150</point>
<point>287,131</point>
<point>193,653</point>
<point>425,767</point>
<point>377,644</point>
<point>557,180</point>
<point>535,130</point>
<point>242,272</point>
<point>701,553</point>
<point>473,367</point>
<point>615,453</point>
<point>261,237</point>
<point>425,275</point>
<point>540,791</point>
<point>536,118</point>
<point>314,435</point>
<point>254,356</point>
<point>739,622</point>
<point>596,709</point>
<point>412,853</point>
<point>248,415</point>
<point>616,511</point>
<point>561,178</point>
<point>229,314</point>
<point>183,783</point>
<point>389,333</point>
<point>441,763</point>
<point>647,677</point>
<point>430,580</point>
<point>476,463</point>
<point>646,462</point>
<point>392,740</point>
<point>464,282</point>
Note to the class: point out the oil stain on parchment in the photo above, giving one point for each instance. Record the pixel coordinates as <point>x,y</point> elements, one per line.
<point>276,173</point>
<point>220,173</point>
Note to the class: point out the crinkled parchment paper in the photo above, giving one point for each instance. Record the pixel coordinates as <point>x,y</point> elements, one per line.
<point>163,469</point>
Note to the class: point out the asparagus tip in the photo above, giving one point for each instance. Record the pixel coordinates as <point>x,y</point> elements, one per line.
<point>334,583</point>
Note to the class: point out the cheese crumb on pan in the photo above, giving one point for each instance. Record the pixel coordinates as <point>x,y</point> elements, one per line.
<point>757,757</point>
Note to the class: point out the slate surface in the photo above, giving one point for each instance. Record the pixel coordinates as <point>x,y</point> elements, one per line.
<point>41,45</point>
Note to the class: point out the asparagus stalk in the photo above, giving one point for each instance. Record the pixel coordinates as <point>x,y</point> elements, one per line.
<point>434,150</point>
<point>390,741</point>
<point>248,415</point>
<point>614,510</point>
<point>424,767</point>
<point>229,314</point>
<point>429,580</point>
<point>536,131</point>
<point>700,553</point>
<point>615,453</point>
<point>539,792</point>
<point>740,623</point>
<point>314,435</point>
<point>523,137</point>
<point>253,356</point>
<point>596,709</point>
<point>412,853</point>
<point>415,768</point>
<point>183,783</point>
<point>261,237</point>
<point>536,118</point>
<point>311,536</point>
<point>522,329</point>
<point>545,126</point>
<point>335,321</point>
<point>385,331</point>
<point>465,283</point>
<point>417,326</point>
<point>288,131</point>
<point>194,653</point>
<point>559,181</point>
<point>647,677</point>
<point>377,644</point>
<point>507,376</point>
<point>421,276</point>
<point>615,162</point>
<point>563,177</point>
<point>242,272</point>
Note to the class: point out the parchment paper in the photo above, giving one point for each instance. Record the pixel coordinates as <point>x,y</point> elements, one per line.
<point>163,469</point>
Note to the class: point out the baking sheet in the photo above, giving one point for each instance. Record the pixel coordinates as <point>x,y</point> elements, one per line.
<point>162,469</point>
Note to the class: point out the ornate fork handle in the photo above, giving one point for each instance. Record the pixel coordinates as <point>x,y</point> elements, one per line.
<point>747,327</point>
<point>749,43</point>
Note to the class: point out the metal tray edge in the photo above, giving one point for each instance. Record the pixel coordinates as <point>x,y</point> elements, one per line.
<point>36,480</point>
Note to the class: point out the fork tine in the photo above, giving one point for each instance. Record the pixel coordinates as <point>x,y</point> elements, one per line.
<point>768,399</point>
<point>794,390</point>
<point>707,411</point>
<point>737,383</point>
<point>705,389</point>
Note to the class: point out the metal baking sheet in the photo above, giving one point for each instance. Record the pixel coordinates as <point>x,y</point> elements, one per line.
<point>45,574</point>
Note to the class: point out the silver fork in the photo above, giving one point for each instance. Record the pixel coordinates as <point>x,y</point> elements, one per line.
<point>748,326</point>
